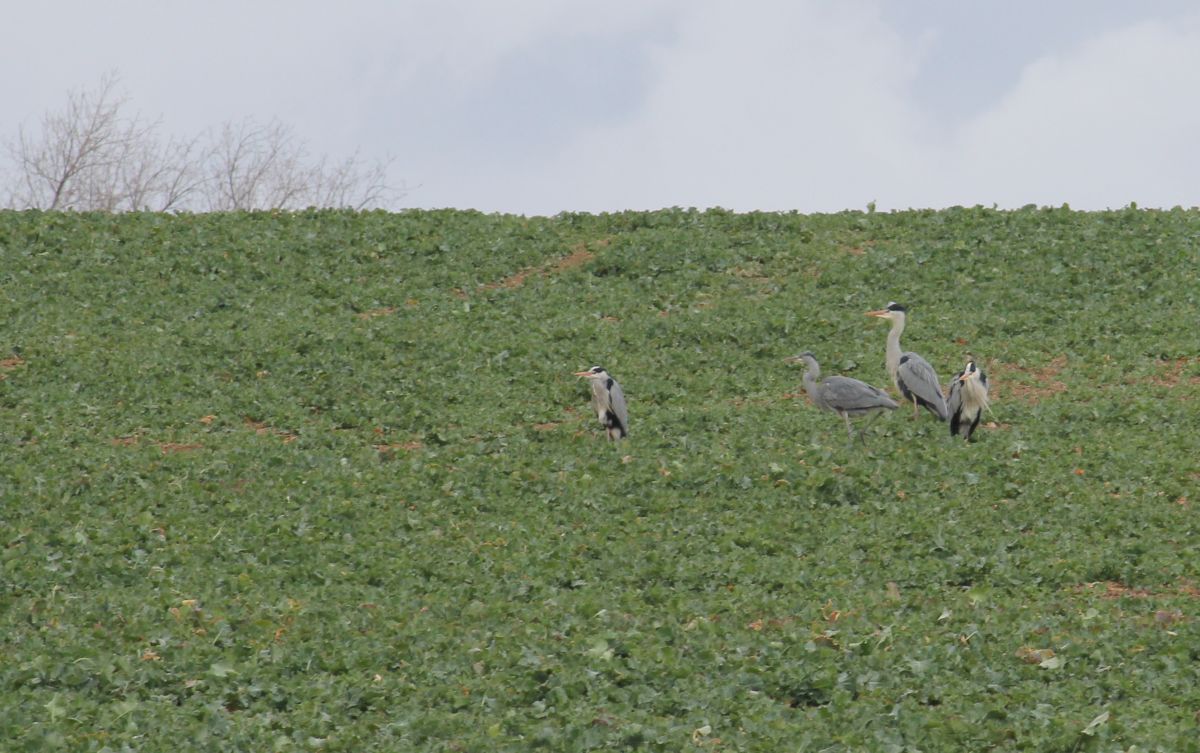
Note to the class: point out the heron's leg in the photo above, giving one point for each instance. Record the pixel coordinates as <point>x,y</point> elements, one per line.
<point>849,429</point>
<point>974,424</point>
<point>916,409</point>
<point>870,421</point>
<point>862,432</point>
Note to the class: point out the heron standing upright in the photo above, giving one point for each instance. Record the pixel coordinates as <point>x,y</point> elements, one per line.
<point>608,400</point>
<point>844,396</point>
<point>968,399</point>
<point>913,375</point>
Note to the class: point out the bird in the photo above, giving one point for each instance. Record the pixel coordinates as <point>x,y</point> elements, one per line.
<point>608,400</point>
<point>968,399</point>
<point>844,396</point>
<point>913,375</point>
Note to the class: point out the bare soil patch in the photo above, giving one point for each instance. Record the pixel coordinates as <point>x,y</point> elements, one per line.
<point>261,428</point>
<point>1032,383</point>
<point>409,446</point>
<point>8,364</point>
<point>171,448</point>
<point>375,313</point>
<point>857,250</point>
<point>579,256</point>
<point>1170,373</point>
<point>1109,589</point>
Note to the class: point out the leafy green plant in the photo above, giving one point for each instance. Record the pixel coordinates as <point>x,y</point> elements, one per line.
<point>324,481</point>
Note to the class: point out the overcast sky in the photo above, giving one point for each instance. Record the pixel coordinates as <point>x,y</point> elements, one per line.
<point>541,106</point>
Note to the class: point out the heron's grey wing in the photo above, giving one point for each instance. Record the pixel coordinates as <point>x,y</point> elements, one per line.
<point>954,394</point>
<point>850,395</point>
<point>954,402</point>
<point>616,397</point>
<point>918,377</point>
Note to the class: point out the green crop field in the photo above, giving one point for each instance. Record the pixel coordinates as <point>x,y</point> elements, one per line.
<point>325,481</point>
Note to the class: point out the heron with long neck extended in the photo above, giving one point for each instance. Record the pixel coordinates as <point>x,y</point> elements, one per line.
<point>844,396</point>
<point>913,375</point>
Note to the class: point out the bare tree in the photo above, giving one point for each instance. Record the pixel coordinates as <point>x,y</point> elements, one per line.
<point>160,176</point>
<point>256,166</point>
<point>54,165</point>
<point>91,157</point>
<point>351,184</point>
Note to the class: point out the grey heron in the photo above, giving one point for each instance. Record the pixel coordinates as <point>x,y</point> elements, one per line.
<point>608,400</point>
<point>968,399</point>
<point>844,396</point>
<point>913,375</point>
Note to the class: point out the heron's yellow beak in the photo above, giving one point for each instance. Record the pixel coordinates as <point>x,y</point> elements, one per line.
<point>583,373</point>
<point>881,313</point>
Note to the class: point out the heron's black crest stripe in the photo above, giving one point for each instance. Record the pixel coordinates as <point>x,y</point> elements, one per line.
<point>893,306</point>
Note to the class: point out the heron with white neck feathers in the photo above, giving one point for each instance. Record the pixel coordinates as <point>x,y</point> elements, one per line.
<point>913,375</point>
<point>968,399</point>
<point>608,400</point>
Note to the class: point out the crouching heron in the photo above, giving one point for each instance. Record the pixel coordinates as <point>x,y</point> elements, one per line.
<point>608,400</point>
<point>968,399</point>
<point>844,396</point>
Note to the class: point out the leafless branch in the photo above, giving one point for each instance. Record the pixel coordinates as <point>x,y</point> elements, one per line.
<point>90,156</point>
<point>80,139</point>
